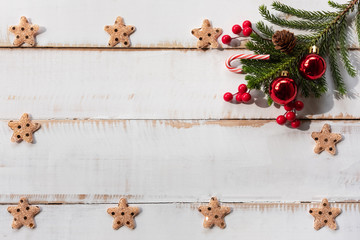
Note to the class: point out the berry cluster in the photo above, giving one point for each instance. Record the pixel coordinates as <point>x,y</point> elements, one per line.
<point>242,95</point>
<point>236,29</point>
<point>290,114</point>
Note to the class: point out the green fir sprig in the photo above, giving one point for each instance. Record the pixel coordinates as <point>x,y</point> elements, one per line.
<point>327,30</point>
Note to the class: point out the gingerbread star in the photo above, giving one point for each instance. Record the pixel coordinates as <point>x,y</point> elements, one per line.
<point>23,129</point>
<point>324,215</point>
<point>325,140</point>
<point>123,214</point>
<point>119,33</point>
<point>207,35</point>
<point>214,213</point>
<point>24,32</point>
<point>23,214</point>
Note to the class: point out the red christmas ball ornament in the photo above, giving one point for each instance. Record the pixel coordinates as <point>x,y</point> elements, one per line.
<point>238,97</point>
<point>246,23</point>
<point>246,97</point>
<point>247,31</point>
<point>299,105</point>
<point>228,97</point>
<point>236,29</point>
<point>312,66</point>
<point>295,123</point>
<point>281,120</point>
<point>226,39</point>
<point>283,89</point>
<point>290,116</point>
<point>242,88</point>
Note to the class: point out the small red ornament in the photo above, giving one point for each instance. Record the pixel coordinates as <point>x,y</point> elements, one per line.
<point>299,105</point>
<point>226,39</point>
<point>238,97</point>
<point>281,120</point>
<point>289,106</point>
<point>290,116</point>
<point>283,89</point>
<point>242,88</point>
<point>312,66</point>
<point>246,97</point>
<point>295,123</point>
<point>228,97</point>
<point>247,31</point>
<point>246,23</point>
<point>236,29</point>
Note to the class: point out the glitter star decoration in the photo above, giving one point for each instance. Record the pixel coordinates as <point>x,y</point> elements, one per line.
<point>123,214</point>
<point>207,35</point>
<point>214,213</point>
<point>24,32</point>
<point>23,129</point>
<point>324,215</point>
<point>23,214</point>
<point>119,33</point>
<point>325,140</point>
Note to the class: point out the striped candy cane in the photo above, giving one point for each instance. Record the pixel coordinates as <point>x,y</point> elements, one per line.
<point>243,56</point>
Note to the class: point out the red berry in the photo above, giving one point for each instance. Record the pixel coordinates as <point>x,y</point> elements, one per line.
<point>228,97</point>
<point>299,105</point>
<point>236,29</point>
<point>242,88</point>
<point>246,23</point>
<point>295,123</point>
<point>290,116</point>
<point>289,106</point>
<point>281,120</point>
<point>246,97</point>
<point>226,39</point>
<point>247,31</point>
<point>238,97</point>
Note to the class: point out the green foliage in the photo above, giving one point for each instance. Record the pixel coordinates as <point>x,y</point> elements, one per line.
<point>327,30</point>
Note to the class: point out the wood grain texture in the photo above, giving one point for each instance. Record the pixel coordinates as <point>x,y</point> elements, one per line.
<point>172,160</point>
<point>159,23</point>
<point>183,221</point>
<point>142,85</point>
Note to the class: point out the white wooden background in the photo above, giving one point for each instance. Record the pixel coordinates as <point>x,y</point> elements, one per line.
<point>149,123</point>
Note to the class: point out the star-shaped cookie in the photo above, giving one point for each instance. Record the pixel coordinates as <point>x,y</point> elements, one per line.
<point>207,35</point>
<point>23,214</point>
<point>24,32</point>
<point>23,129</point>
<point>325,140</point>
<point>123,214</point>
<point>324,215</point>
<point>214,213</point>
<point>119,33</point>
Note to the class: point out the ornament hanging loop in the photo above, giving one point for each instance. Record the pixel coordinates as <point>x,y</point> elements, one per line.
<point>284,74</point>
<point>314,49</point>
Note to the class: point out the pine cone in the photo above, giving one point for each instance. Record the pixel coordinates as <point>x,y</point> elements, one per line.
<point>284,41</point>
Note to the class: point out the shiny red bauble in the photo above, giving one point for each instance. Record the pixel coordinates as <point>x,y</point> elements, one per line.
<point>289,106</point>
<point>245,97</point>
<point>290,116</point>
<point>312,66</point>
<point>281,120</point>
<point>236,29</point>
<point>226,39</point>
<point>238,97</point>
<point>247,31</point>
<point>295,123</point>
<point>228,97</point>
<point>283,90</point>
<point>242,88</point>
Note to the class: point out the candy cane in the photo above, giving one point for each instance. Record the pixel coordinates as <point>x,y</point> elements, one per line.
<point>243,56</point>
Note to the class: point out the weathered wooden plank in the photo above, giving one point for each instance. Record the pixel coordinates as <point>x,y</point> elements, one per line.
<point>179,161</point>
<point>140,85</point>
<point>165,24</point>
<point>179,221</point>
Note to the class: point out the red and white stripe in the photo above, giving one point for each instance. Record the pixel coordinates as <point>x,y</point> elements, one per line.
<point>243,56</point>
